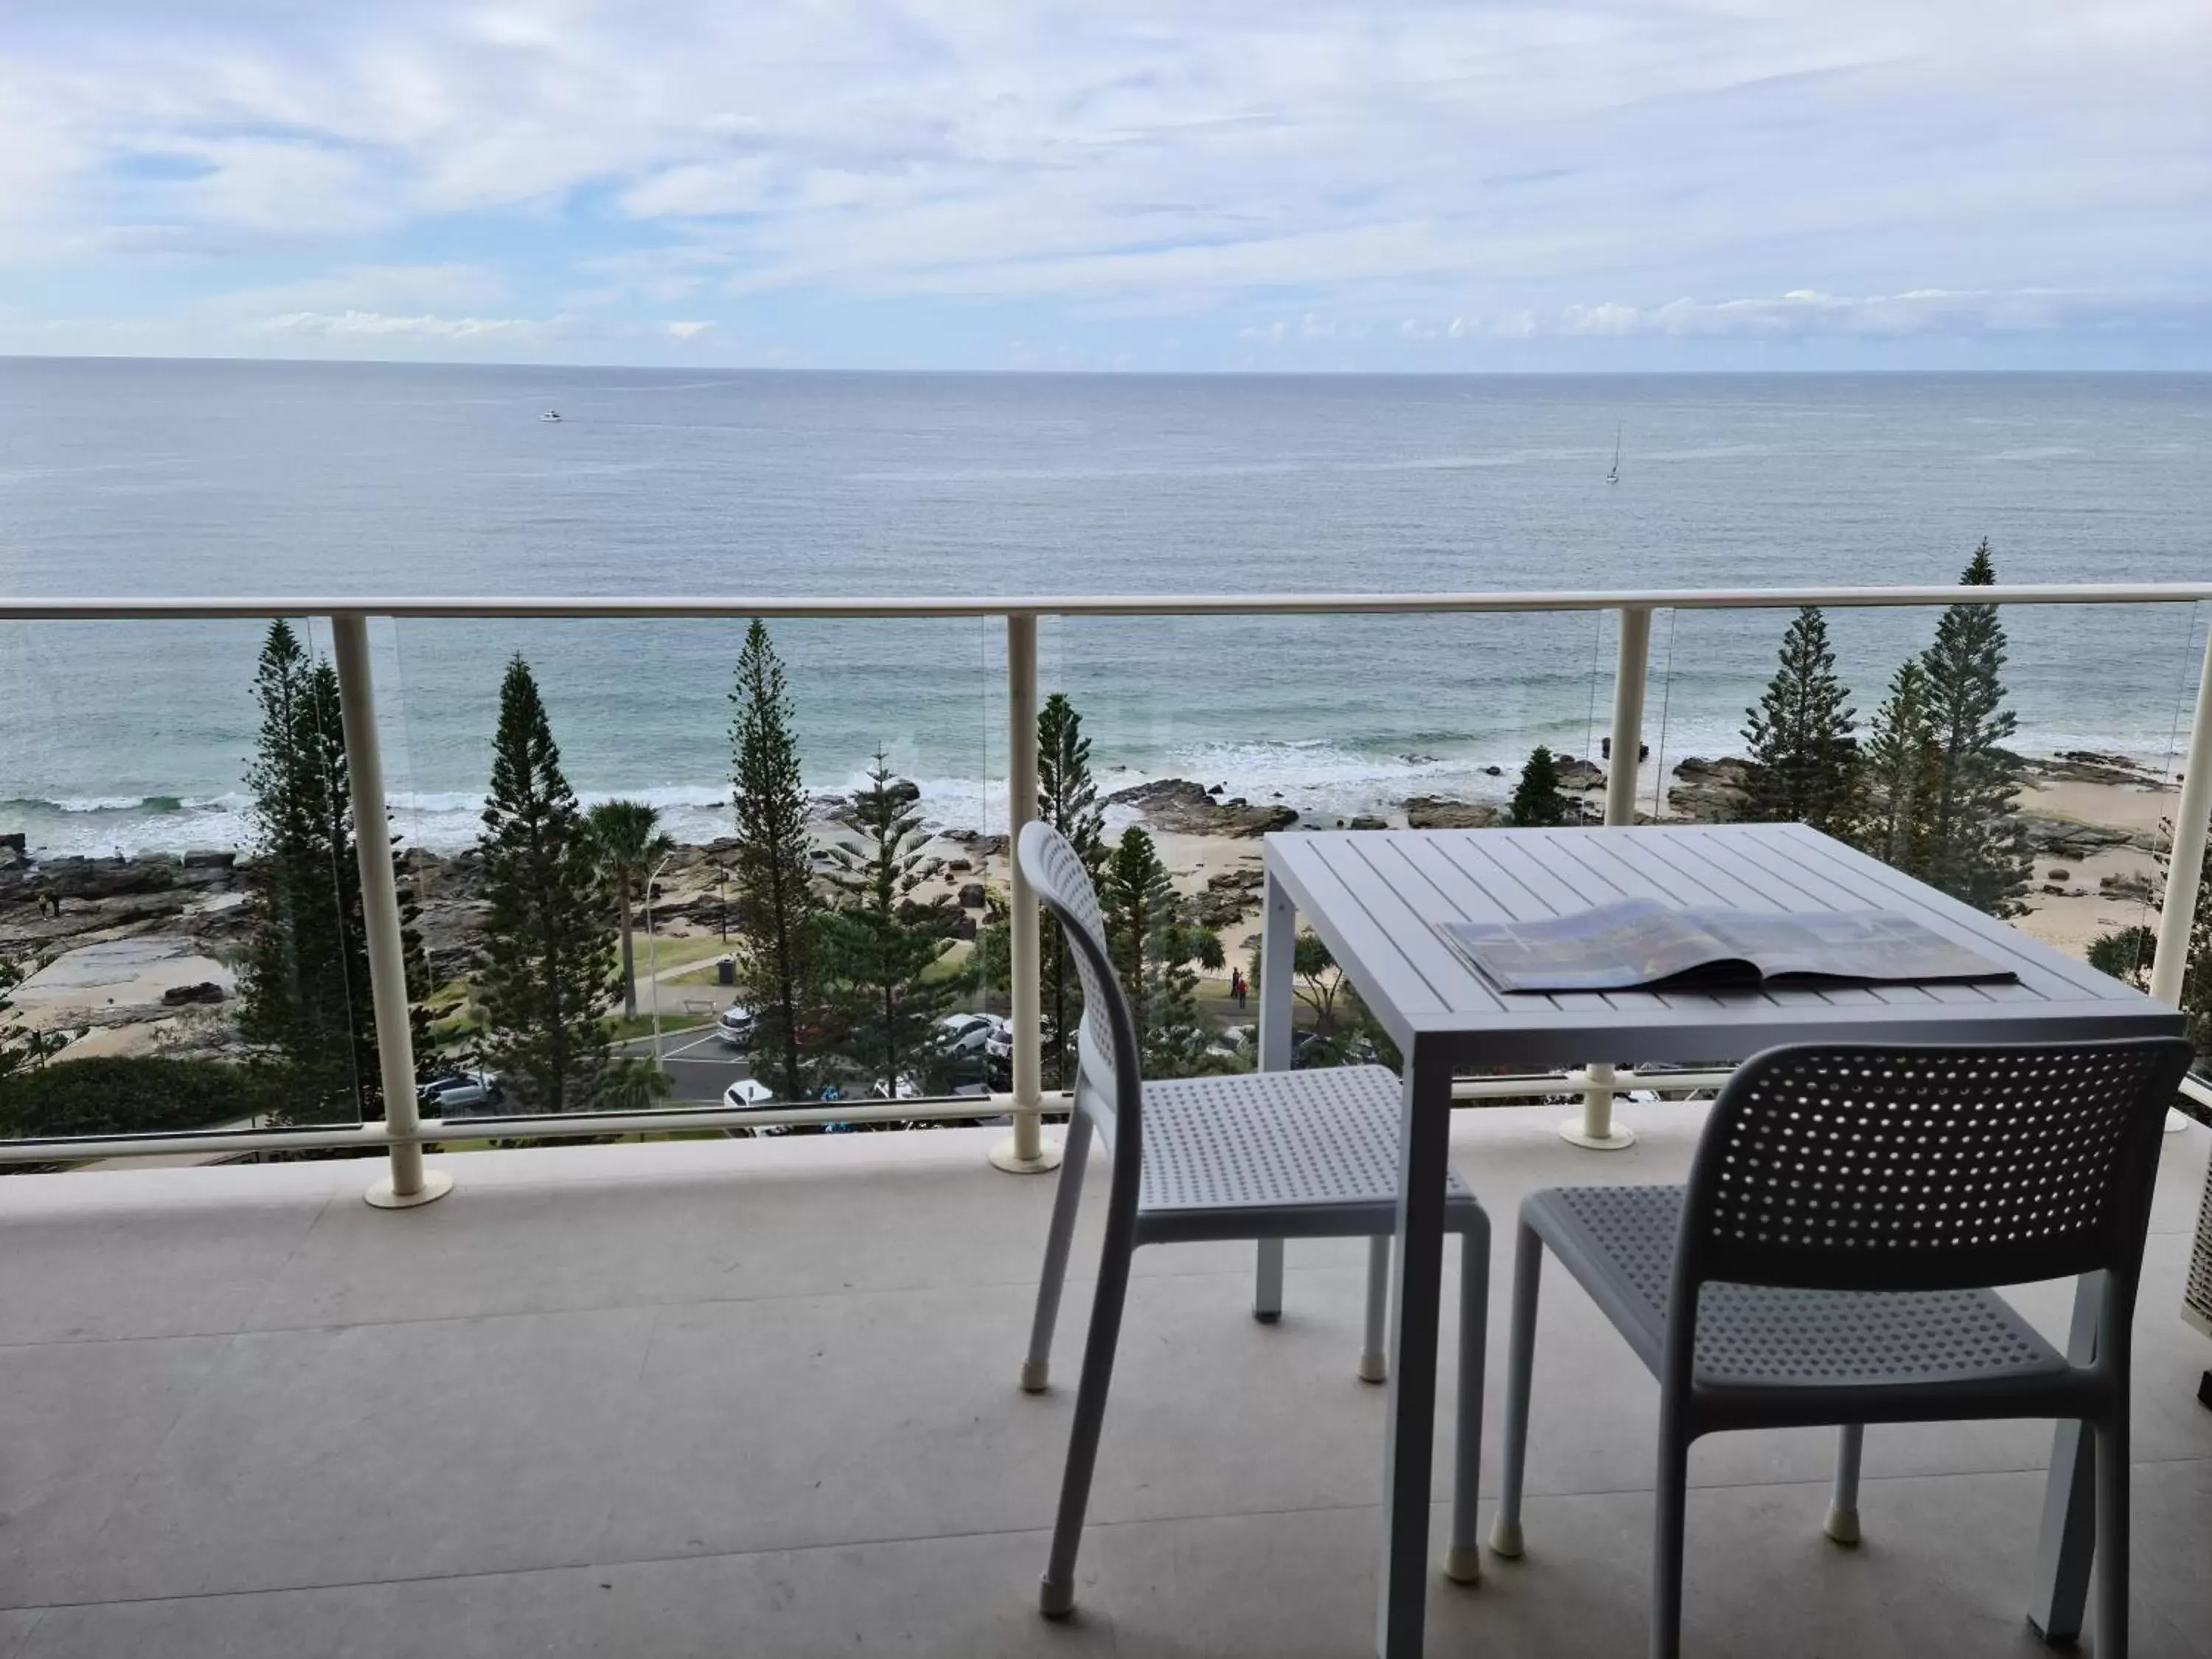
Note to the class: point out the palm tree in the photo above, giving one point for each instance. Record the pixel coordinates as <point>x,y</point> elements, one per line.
<point>628,841</point>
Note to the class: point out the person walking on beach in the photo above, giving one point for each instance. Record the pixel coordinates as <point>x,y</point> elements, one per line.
<point>1237,986</point>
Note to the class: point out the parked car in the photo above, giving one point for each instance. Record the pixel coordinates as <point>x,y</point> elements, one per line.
<point>460,1091</point>
<point>734,1025</point>
<point>973,1034</point>
<point>747,1095</point>
<point>882,1090</point>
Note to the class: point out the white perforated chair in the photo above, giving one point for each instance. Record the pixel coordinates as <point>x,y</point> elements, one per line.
<point>1847,1212</point>
<point>1308,1154</point>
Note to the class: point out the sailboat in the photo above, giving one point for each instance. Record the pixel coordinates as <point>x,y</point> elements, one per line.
<point>550,415</point>
<point>1614,477</point>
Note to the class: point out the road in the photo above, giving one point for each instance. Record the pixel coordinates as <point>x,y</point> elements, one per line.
<point>699,1064</point>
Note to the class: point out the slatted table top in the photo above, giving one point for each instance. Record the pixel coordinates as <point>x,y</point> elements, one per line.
<point>1373,895</point>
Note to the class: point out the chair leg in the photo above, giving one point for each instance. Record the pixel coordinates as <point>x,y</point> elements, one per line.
<point>1520,1365</point>
<point>1074,1152</point>
<point>1671,1492</point>
<point>1843,1524</point>
<point>1463,1559</point>
<point>1056,1597</point>
<point>1267,1283</point>
<point>2111,1616</point>
<point>1374,1355</point>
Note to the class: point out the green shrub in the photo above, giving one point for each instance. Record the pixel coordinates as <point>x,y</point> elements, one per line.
<point>115,1095</point>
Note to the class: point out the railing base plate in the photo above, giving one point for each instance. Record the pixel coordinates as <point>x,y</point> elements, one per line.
<point>1574,1135</point>
<point>1004,1156</point>
<point>436,1183</point>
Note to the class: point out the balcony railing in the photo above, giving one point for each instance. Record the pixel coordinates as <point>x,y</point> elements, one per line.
<point>402,1134</point>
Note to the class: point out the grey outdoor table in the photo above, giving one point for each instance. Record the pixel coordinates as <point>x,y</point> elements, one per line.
<point>1373,895</point>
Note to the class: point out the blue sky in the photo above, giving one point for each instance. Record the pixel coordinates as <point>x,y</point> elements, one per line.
<point>1274,184</point>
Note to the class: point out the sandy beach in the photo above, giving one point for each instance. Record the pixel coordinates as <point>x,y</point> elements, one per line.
<point>114,970</point>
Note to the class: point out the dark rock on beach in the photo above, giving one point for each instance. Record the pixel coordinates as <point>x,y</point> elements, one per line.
<point>2063,838</point>
<point>2088,766</point>
<point>1710,790</point>
<point>1434,813</point>
<point>1181,807</point>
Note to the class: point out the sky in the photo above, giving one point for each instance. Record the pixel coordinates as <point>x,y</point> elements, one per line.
<point>1202,184</point>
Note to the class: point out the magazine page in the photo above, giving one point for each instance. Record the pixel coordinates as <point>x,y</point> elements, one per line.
<point>1870,946</point>
<point>1612,947</point>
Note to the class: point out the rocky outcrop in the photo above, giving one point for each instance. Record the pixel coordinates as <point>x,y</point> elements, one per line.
<point>1435,812</point>
<point>980,845</point>
<point>2088,766</point>
<point>2064,838</point>
<point>1228,897</point>
<point>1710,790</point>
<point>1577,774</point>
<point>1181,807</point>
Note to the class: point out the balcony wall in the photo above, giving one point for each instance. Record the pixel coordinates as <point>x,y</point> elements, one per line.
<point>758,1398</point>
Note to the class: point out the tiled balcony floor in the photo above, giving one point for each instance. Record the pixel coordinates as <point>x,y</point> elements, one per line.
<point>741,1398</point>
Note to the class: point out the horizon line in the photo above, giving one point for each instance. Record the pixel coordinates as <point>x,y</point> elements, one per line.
<point>1045,372</point>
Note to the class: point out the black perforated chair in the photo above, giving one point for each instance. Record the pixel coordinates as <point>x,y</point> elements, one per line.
<point>1309,1154</point>
<point>1847,1212</point>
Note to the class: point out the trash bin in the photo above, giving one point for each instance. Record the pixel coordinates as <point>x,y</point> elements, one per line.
<point>725,970</point>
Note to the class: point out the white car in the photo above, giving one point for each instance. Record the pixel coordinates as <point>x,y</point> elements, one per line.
<point>734,1026</point>
<point>973,1034</point>
<point>461,1091</point>
<point>882,1090</point>
<point>750,1095</point>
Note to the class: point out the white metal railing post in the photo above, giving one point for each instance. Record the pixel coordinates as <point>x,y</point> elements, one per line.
<point>1594,1128</point>
<point>409,1184</point>
<point>1025,1152</point>
<point>1629,673</point>
<point>2185,866</point>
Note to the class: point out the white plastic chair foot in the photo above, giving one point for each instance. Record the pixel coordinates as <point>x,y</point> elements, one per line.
<point>1463,1566</point>
<point>1035,1375</point>
<point>1843,1527</point>
<point>1505,1540</point>
<point>1374,1368</point>
<point>1055,1601</point>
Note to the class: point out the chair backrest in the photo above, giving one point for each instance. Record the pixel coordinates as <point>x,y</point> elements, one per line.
<point>1923,1168</point>
<point>1108,1082</point>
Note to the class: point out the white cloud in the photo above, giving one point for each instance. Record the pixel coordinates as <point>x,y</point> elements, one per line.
<point>693,330</point>
<point>380,325</point>
<point>1484,170</point>
<point>375,288</point>
<point>1805,311</point>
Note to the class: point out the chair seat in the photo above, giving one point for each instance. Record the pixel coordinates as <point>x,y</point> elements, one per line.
<point>1275,1140</point>
<point>1619,1243</point>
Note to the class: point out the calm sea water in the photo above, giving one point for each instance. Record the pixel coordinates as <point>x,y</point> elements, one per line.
<point>150,478</point>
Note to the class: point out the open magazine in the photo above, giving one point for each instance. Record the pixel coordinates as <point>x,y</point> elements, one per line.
<point>1642,945</point>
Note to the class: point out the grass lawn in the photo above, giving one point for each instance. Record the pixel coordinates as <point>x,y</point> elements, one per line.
<point>673,1022</point>
<point>665,953</point>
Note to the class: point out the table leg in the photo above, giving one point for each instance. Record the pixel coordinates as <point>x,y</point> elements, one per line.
<point>2068,1536</point>
<point>1277,952</point>
<point>1424,1135</point>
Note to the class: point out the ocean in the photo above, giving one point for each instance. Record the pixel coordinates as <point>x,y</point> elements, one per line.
<point>201,478</point>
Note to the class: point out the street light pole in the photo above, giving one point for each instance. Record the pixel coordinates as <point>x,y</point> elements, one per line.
<point>652,957</point>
